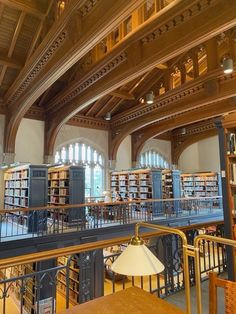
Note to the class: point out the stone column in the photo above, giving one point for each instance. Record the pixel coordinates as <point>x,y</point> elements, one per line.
<point>112,165</point>
<point>8,158</point>
<point>48,159</point>
<point>135,164</point>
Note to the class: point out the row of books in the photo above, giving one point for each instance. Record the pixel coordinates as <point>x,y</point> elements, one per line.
<point>232,173</point>
<point>231,143</point>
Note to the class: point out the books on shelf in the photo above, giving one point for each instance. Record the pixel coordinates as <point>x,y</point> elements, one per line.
<point>231,143</point>
<point>22,188</point>
<point>232,173</point>
<point>136,183</point>
<point>200,184</point>
<point>73,279</point>
<point>146,183</point>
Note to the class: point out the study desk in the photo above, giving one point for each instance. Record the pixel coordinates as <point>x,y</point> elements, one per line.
<point>129,301</point>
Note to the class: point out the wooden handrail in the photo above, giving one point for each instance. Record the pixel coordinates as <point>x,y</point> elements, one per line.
<point>101,204</point>
<point>44,255</point>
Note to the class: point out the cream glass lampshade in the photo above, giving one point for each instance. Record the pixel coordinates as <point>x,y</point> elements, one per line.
<point>137,260</point>
<point>228,65</point>
<point>150,98</point>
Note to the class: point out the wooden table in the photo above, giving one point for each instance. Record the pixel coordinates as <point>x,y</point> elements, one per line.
<point>129,301</point>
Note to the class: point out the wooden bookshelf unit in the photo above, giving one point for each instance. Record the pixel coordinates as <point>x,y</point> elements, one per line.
<point>73,273</point>
<point>136,184</point>
<point>25,187</point>
<point>146,183</point>
<point>203,184</point>
<point>66,187</point>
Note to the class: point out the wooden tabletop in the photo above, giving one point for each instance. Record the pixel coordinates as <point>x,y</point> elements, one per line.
<point>129,301</point>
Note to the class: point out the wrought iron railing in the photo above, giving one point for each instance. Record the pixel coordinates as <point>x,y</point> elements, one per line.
<point>41,221</point>
<point>80,273</point>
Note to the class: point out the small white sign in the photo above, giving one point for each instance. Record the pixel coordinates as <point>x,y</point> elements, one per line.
<point>223,173</point>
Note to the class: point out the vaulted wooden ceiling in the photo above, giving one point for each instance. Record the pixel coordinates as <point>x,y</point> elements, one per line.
<point>75,61</point>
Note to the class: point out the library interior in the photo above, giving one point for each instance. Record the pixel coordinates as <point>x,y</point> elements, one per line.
<point>117,156</point>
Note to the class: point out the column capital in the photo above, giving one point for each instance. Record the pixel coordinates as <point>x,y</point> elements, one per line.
<point>111,165</point>
<point>135,164</point>
<point>48,159</point>
<point>8,158</point>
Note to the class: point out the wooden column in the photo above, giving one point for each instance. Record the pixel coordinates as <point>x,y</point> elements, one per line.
<point>183,73</point>
<point>167,80</point>
<point>195,64</point>
<point>212,55</point>
<point>228,221</point>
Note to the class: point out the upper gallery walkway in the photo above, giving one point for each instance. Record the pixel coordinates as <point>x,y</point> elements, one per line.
<point>42,221</point>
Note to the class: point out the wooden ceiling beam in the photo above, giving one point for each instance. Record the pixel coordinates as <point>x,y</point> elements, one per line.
<point>94,108</point>
<point>122,94</point>
<point>12,45</point>
<point>38,32</point>
<point>176,106</point>
<point>16,34</point>
<point>212,110</point>
<point>32,8</point>
<point>61,48</point>
<point>143,57</point>
<point>162,66</point>
<point>106,107</point>
<point>11,63</point>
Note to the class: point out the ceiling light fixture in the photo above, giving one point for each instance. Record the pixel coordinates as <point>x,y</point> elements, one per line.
<point>150,97</point>
<point>107,116</point>
<point>228,65</point>
<point>183,131</point>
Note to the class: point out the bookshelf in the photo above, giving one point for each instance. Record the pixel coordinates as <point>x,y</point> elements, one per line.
<point>24,187</point>
<point>203,184</point>
<point>171,184</point>
<point>230,157</point>
<point>73,274</point>
<point>226,133</point>
<point>139,184</point>
<point>34,292</point>
<point>66,186</point>
<point>146,183</point>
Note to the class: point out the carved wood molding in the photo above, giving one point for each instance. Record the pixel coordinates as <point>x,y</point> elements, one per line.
<point>149,55</point>
<point>190,11</point>
<point>88,122</point>
<point>76,48</point>
<point>88,6</point>
<point>187,90</point>
<point>51,39</point>
<point>83,84</point>
<point>40,65</point>
<point>201,113</point>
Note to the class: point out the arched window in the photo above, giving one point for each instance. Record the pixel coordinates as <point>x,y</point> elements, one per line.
<point>152,158</point>
<point>83,154</point>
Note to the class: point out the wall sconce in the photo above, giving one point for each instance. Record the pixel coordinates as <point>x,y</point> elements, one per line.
<point>107,116</point>
<point>150,98</point>
<point>228,65</point>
